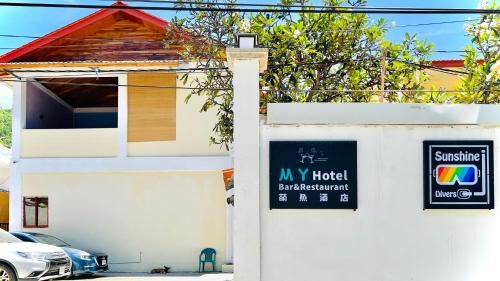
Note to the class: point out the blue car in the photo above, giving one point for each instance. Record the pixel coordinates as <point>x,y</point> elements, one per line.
<point>84,262</point>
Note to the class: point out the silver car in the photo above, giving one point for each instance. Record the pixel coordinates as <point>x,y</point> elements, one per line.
<point>31,261</point>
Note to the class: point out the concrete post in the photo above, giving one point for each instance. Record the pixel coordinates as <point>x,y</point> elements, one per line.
<point>246,65</point>
<point>229,230</point>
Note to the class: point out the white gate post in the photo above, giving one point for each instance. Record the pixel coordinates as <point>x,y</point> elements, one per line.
<point>246,65</point>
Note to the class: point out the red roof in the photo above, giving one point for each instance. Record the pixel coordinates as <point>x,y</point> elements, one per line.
<point>78,25</point>
<point>451,63</point>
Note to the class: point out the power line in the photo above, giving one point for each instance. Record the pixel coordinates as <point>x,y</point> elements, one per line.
<point>112,85</point>
<point>325,10</point>
<point>146,40</point>
<point>230,89</point>
<point>202,69</point>
<point>140,41</point>
<point>225,4</point>
<point>216,3</point>
<point>448,51</point>
<point>440,69</point>
<point>432,23</point>
<point>374,90</point>
<point>450,71</point>
<point>98,70</point>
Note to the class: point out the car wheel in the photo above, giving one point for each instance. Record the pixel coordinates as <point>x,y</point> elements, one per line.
<point>6,273</point>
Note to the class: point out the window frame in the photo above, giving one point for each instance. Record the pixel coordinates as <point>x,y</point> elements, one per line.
<point>37,202</point>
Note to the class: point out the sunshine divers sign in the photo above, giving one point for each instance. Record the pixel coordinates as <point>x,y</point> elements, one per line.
<point>458,175</point>
<point>313,175</point>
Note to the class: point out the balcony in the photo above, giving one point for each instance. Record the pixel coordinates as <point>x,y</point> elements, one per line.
<point>101,142</point>
<point>71,117</point>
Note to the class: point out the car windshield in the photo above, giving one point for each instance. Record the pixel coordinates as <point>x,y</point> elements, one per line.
<point>6,237</point>
<point>47,239</point>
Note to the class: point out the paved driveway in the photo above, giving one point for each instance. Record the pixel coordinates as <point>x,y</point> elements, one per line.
<point>160,277</point>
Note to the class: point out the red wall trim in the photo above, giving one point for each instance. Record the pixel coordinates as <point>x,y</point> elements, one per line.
<point>451,63</point>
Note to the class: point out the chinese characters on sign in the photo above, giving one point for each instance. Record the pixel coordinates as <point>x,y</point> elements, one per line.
<point>458,175</point>
<point>313,175</point>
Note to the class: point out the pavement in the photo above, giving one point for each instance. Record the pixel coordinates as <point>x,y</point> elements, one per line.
<point>159,277</point>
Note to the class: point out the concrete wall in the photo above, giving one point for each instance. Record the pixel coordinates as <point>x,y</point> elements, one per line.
<point>69,143</point>
<point>167,216</point>
<point>193,129</point>
<point>44,112</point>
<point>390,237</point>
<point>4,207</point>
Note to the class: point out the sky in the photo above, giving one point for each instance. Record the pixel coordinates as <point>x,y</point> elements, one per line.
<point>40,21</point>
<point>5,96</point>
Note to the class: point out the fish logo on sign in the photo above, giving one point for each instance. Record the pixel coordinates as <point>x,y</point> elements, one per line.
<point>451,174</point>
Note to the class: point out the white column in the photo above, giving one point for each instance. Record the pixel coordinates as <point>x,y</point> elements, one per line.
<point>122,116</point>
<point>15,176</point>
<point>229,229</point>
<point>246,65</point>
<point>15,198</point>
<point>18,117</point>
<point>230,218</point>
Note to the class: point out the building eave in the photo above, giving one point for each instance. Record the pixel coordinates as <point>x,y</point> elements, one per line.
<point>78,25</point>
<point>32,65</point>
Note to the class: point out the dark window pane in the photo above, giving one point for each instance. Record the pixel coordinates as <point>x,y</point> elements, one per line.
<point>29,211</point>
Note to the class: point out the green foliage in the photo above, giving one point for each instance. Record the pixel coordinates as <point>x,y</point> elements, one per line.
<point>6,127</point>
<point>481,84</point>
<point>312,57</point>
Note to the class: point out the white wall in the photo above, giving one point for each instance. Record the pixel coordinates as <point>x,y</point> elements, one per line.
<point>193,129</point>
<point>390,237</point>
<point>169,217</point>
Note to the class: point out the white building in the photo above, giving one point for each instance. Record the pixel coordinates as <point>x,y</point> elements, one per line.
<point>127,170</point>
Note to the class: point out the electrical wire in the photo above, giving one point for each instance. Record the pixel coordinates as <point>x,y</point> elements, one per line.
<point>443,70</point>
<point>376,91</point>
<point>112,85</point>
<point>146,40</point>
<point>215,3</point>
<point>432,23</point>
<point>141,41</point>
<point>230,89</point>
<point>98,70</point>
<point>324,10</point>
<point>202,69</point>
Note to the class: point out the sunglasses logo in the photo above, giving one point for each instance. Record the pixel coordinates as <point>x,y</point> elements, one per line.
<point>450,174</point>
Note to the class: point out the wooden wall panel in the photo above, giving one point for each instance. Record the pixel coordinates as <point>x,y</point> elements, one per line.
<point>119,37</point>
<point>151,111</point>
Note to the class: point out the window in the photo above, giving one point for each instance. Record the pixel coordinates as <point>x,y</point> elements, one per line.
<point>36,212</point>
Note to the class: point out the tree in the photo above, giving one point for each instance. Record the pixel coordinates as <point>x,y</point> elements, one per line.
<point>6,127</point>
<point>313,57</point>
<point>481,84</point>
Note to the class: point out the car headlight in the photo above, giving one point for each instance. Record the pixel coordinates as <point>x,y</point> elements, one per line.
<point>34,256</point>
<point>85,256</point>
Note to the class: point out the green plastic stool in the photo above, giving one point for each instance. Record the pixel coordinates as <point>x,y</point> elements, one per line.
<point>207,255</point>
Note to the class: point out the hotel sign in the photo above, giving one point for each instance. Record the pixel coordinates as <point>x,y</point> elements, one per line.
<point>458,175</point>
<point>313,175</point>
